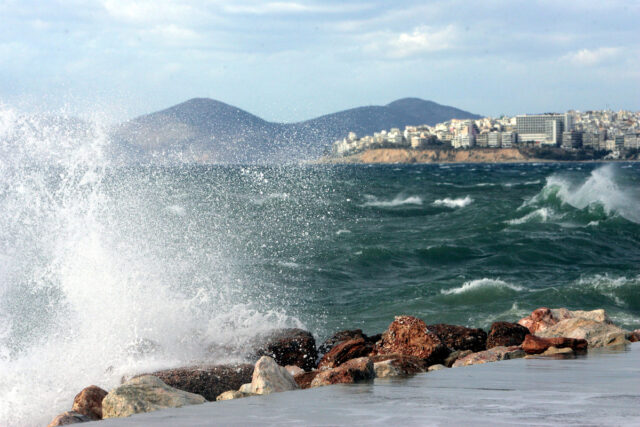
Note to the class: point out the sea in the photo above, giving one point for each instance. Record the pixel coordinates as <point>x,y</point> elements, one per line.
<point>109,269</point>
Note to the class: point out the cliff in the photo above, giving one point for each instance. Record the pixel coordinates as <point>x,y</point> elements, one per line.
<point>401,155</point>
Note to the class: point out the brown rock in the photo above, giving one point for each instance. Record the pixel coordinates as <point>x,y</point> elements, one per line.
<point>339,337</point>
<point>209,381</point>
<point>288,347</point>
<point>69,417</point>
<point>536,345</point>
<point>494,354</point>
<point>304,380</point>
<point>460,338</point>
<point>505,334</point>
<point>89,402</point>
<point>455,355</point>
<point>405,365</point>
<point>409,336</point>
<point>294,370</point>
<point>543,318</point>
<point>597,333</point>
<point>634,336</point>
<point>349,372</point>
<point>346,350</point>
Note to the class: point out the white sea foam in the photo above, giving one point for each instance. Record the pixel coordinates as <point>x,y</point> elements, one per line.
<point>343,231</point>
<point>475,285</point>
<point>454,203</point>
<point>399,200</point>
<point>177,210</point>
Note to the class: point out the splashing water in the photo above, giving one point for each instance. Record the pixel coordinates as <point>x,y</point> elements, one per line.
<point>86,297</point>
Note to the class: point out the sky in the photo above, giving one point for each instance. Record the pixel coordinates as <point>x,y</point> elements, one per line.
<point>294,60</point>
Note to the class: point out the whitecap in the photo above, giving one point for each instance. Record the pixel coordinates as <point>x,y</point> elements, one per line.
<point>344,231</point>
<point>539,215</point>
<point>397,201</point>
<point>475,285</point>
<point>454,203</point>
<point>177,210</point>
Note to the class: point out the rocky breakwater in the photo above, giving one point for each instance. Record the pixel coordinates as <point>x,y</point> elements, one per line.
<point>408,346</point>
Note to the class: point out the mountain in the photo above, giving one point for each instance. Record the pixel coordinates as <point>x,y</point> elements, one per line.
<point>207,130</point>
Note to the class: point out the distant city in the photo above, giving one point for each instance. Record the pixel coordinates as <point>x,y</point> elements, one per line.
<point>616,133</point>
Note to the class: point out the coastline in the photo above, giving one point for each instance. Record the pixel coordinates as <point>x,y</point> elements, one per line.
<point>444,156</point>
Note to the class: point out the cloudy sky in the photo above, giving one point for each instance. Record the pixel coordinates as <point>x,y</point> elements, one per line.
<point>293,60</point>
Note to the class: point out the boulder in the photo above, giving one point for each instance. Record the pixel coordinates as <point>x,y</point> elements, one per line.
<point>543,318</point>
<point>349,372</point>
<point>245,388</point>
<point>393,365</point>
<point>494,354</point>
<point>346,350</point>
<point>287,347</point>
<point>554,351</point>
<point>455,355</point>
<point>304,380</point>
<point>89,402</point>
<point>339,337</point>
<point>233,394</point>
<point>634,336</point>
<point>69,417</point>
<point>294,370</point>
<point>269,377</point>
<point>145,394</point>
<point>437,367</point>
<point>409,336</point>
<point>536,345</point>
<point>209,381</point>
<point>597,334</point>
<point>506,334</point>
<point>460,338</point>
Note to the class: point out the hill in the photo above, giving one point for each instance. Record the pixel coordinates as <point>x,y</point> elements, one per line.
<point>207,130</point>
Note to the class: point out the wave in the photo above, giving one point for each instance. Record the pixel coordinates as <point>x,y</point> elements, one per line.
<point>454,203</point>
<point>539,215</point>
<point>372,201</point>
<point>481,284</point>
<point>601,192</point>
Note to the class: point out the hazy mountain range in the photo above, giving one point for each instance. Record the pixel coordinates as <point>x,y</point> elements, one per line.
<point>207,130</point>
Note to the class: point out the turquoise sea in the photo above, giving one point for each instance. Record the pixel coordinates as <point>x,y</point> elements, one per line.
<point>98,261</point>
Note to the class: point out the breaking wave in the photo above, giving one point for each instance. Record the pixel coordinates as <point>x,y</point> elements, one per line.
<point>397,201</point>
<point>600,194</point>
<point>454,203</point>
<point>481,284</point>
<point>539,215</point>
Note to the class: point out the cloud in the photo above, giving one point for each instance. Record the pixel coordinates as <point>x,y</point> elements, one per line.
<point>289,7</point>
<point>590,57</point>
<point>421,40</point>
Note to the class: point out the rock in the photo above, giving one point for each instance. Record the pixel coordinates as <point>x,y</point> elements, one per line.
<point>339,337</point>
<point>543,318</point>
<point>304,380</point>
<point>287,347</point>
<point>634,336</point>
<point>346,350</point>
<point>145,394</point>
<point>460,338</point>
<point>89,402</point>
<point>597,334</point>
<point>505,334</point>
<point>494,354</point>
<point>69,417</point>
<point>536,345</point>
<point>455,355</point>
<point>233,394</point>
<point>269,377</point>
<point>349,372</point>
<point>245,388</point>
<point>554,351</point>
<point>409,336</point>
<point>437,367</point>
<point>393,365</point>
<point>209,381</point>
<point>294,370</point>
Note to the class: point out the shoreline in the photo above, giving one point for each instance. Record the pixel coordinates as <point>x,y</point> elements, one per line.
<point>450,156</point>
<point>289,360</point>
